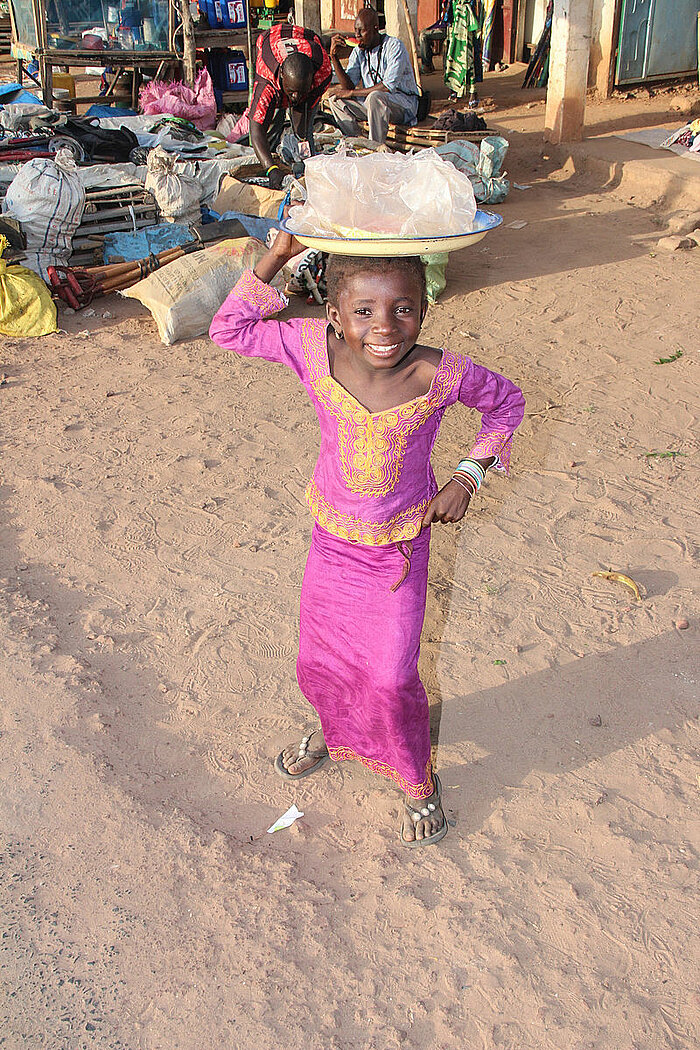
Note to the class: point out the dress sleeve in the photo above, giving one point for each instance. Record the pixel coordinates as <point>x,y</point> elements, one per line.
<point>240,325</point>
<point>502,408</point>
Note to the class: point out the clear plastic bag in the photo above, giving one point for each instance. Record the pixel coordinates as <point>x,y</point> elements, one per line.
<point>419,195</point>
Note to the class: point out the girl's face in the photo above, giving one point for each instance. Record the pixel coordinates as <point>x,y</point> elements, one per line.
<point>380,316</point>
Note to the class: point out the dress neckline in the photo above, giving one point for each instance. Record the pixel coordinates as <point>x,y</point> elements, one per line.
<point>384,411</point>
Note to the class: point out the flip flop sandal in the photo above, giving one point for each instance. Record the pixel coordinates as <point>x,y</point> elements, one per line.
<point>425,811</point>
<point>303,748</point>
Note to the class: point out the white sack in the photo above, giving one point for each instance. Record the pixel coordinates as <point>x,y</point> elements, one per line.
<point>177,195</point>
<point>48,198</point>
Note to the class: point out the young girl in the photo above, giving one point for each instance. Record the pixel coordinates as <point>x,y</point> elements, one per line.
<point>380,396</point>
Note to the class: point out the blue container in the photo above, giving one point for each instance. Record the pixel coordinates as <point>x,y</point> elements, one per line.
<point>234,13</point>
<point>214,10</point>
<point>236,71</point>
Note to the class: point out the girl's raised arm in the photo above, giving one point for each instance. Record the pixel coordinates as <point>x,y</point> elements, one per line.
<point>240,324</point>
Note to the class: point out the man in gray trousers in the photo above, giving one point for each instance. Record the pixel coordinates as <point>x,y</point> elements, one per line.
<point>378,85</point>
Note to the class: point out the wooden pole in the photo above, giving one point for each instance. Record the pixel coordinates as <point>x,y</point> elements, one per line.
<point>412,41</point>
<point>189,46</point>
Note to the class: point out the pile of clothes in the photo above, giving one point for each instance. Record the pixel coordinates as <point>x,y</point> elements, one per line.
<point>688,136</point>
<point>459,120</point>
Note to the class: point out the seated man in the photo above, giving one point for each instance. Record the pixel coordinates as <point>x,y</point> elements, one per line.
<point>378,86</point>
<point>292,70</point>
<point>434,34</point>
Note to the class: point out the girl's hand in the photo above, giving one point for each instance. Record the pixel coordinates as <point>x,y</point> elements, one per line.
<point>284,248</point>
<point>448,506</point>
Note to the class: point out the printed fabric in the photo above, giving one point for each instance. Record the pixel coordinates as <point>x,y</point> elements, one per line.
<point>273,47</point>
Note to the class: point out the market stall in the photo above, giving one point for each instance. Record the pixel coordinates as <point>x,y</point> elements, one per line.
<point>120,35</point>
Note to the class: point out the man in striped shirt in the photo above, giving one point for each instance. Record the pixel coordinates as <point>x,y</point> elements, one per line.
<point>292,70</point>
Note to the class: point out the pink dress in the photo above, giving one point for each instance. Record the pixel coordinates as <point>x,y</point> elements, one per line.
<point>363,596</point>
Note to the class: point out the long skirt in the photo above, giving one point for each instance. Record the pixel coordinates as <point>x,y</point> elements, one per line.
<point>358,654</point>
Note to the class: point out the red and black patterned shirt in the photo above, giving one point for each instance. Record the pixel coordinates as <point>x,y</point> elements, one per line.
<point>273,48</point>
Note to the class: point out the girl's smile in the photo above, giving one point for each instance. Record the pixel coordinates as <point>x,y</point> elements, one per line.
<point>382,351</point>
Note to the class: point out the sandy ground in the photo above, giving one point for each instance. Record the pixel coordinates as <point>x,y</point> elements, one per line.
<point>153,538</point>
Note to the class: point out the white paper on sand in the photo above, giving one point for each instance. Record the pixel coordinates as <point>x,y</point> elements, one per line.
<point>519,224</point>
<point>286,820</point>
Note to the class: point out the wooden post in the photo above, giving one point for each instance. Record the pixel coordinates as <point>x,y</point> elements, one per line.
<point>568,70</point>
<point>189,46</point>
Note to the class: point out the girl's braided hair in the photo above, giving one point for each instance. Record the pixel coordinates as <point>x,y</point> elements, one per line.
<point>340,268</point>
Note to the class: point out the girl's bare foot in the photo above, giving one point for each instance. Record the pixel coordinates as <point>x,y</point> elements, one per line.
<point>423,819</point>
<point>298,760</point>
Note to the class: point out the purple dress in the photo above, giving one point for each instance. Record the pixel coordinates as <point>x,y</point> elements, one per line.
<point>364,590</point>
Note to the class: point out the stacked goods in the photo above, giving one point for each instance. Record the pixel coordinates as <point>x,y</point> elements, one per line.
<point>117,209</point>
<point>5,33</point>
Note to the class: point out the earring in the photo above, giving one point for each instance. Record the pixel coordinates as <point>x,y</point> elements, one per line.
<point>338,333</point>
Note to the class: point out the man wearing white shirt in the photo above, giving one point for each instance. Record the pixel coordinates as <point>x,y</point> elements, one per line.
<point>378,85</point>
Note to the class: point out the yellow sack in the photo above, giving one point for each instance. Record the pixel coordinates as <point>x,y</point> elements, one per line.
<point>26,306</point>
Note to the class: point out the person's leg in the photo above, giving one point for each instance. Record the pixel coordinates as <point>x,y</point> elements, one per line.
<point>425,45</point>
<point>383,109</point>
<point>425,50</point>
<point>346,112</point>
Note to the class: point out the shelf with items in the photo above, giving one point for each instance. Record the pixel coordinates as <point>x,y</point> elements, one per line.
<point>123,34</point>
<point>223,33</point>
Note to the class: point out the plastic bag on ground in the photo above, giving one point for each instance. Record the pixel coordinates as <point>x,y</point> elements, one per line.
<point>26,307</point>
<point>127,247</point>
<point>184,296</point>
<point>177,195</point>
<point>482,164</point>
<point>435,275</point>
<point>48,198</point>
<point>175,97</point>
<point>419,195</point>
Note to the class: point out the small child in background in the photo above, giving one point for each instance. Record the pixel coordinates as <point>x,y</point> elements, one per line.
<point>380,396</point>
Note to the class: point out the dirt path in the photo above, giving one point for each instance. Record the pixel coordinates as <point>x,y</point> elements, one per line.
<point>153,540</point>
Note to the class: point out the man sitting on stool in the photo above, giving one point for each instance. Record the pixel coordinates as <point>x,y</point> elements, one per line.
<point>378,86</point>
<point>434,34</point>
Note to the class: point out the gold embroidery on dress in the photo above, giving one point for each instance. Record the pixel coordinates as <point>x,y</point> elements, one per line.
<point>371,446</point>
<point>267,299</point>
<point>402,526</point>
<point>422,790</point>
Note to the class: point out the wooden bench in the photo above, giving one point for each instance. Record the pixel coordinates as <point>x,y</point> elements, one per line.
<point>402,138</point>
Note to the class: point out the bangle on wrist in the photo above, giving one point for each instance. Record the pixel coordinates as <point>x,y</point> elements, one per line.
<point>272,168</point>
<point>466,484</point>
<point>472,471</point>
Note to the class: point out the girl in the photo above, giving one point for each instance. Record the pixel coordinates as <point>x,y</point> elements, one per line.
<point>380,396</point>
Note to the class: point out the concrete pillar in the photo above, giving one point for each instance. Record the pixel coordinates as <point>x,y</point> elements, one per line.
<point>396,24</point>
<point>602,47</point>
<point>568,70</point>
<point>307,13</point>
